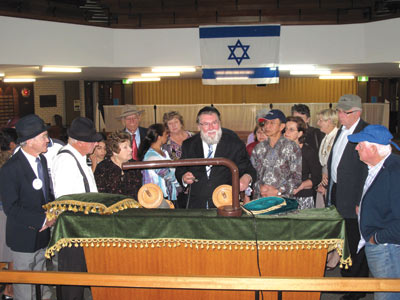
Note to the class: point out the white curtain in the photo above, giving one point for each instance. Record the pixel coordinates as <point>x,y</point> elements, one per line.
<point>237,117</point>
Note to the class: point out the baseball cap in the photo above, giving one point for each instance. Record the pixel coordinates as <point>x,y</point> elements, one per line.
<point>274,114</point>
<point>349,101</point>
<point>377,134</point>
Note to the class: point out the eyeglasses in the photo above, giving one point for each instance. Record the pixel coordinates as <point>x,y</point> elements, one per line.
<point>207,124</point>
<point>291,129</point>
<point>346,112</point>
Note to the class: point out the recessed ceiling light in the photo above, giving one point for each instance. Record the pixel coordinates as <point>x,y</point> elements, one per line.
<point>296,67</point>
<point>160,74</point>
<point>142,79</point>
<point>62,69</point>
<point>310,72</point>
<point>19,80</point>
<point>336,77</point>
<point>173,69</point>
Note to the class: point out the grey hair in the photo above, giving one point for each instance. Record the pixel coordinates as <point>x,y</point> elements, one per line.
<point>22,144</point>
<point>71,140</point>
<point>383,150</point>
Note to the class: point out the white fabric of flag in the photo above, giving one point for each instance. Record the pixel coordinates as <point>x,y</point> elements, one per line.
<point>240,54</point>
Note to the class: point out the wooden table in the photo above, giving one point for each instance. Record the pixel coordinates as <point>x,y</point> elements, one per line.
<point>197,242</point>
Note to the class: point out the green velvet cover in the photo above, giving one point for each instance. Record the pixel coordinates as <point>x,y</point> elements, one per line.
<point>102,198</point>
<point>271,206</point>
<point>303,229</point>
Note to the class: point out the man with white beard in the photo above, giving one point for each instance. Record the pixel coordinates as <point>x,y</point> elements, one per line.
<point>213,141</point>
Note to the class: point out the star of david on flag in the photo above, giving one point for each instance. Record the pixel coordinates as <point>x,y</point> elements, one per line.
<point>240,54</point>
<point>244,53</point>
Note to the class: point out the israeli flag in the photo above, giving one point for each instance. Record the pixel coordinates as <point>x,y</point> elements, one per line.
<point>240,54</point>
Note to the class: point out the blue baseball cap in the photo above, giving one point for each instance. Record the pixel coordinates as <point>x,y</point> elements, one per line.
<point>377,134</point>
<point>273,114</point>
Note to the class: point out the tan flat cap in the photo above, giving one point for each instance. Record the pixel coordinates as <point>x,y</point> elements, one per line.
<point>129,110</point>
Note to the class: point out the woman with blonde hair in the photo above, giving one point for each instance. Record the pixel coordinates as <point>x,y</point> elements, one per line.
<point>327,122</point>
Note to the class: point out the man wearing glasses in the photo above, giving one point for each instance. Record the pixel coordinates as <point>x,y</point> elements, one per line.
<point>346,179</point>
<point>212,141</point>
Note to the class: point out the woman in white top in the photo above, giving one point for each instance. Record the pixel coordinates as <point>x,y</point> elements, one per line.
<point>327,122</point>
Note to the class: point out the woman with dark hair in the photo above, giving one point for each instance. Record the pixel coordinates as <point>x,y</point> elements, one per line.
<point>98,155</point>
<point>259,136</point>
<point>110,178</point>
<point>151,149</point>
<point>173,121</point>
<point>311,174</point>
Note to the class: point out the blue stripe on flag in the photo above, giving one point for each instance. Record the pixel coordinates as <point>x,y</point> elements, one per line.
<point>241,72</point>
<point>239,31</point>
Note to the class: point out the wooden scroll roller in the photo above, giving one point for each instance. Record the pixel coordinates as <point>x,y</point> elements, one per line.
<point>150,195</point>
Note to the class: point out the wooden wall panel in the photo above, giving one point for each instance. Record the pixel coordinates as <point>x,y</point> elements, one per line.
<point>289,90</point>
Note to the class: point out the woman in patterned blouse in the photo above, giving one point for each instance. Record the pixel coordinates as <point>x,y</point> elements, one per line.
<point>173,121</point>
<point>110,178</point>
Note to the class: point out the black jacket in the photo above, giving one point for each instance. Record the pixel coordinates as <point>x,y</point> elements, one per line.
<point>23,204</point>
<point>351,175</point>
<point>230,147</point>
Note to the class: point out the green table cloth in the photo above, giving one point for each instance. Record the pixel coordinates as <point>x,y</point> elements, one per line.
<point>139,227</point>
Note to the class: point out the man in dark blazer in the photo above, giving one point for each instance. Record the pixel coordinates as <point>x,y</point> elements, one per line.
<point>24,188</point>
<point>130,118</point>
<point>213,141</point>
<point>379,209</point>
<point>346,178</point>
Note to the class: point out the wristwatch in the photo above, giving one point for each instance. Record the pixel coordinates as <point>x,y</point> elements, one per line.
<point>280,191</point>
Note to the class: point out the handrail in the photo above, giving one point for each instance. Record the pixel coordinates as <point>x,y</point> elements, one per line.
<point>315,284</point>
<point>233,210</point>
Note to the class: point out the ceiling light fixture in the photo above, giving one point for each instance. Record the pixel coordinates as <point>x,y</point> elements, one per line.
<point>336,77</point>
<point>62,69</point>
<point>142,79</point>
<point>160,74</point>
<point>2,74</point>
<point>310,72</point>
<point>19,80</point>
<point>296,67</point>
<point>173,69</point>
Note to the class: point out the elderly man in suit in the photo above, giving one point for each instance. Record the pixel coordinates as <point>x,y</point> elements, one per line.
<point>346,175</point>
<point>213,141</point>
<point>379,209</point>
<point>24,188</point>
<point>130,118</point>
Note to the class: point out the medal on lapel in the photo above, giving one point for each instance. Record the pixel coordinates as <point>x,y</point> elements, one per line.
<point>37,184</point>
